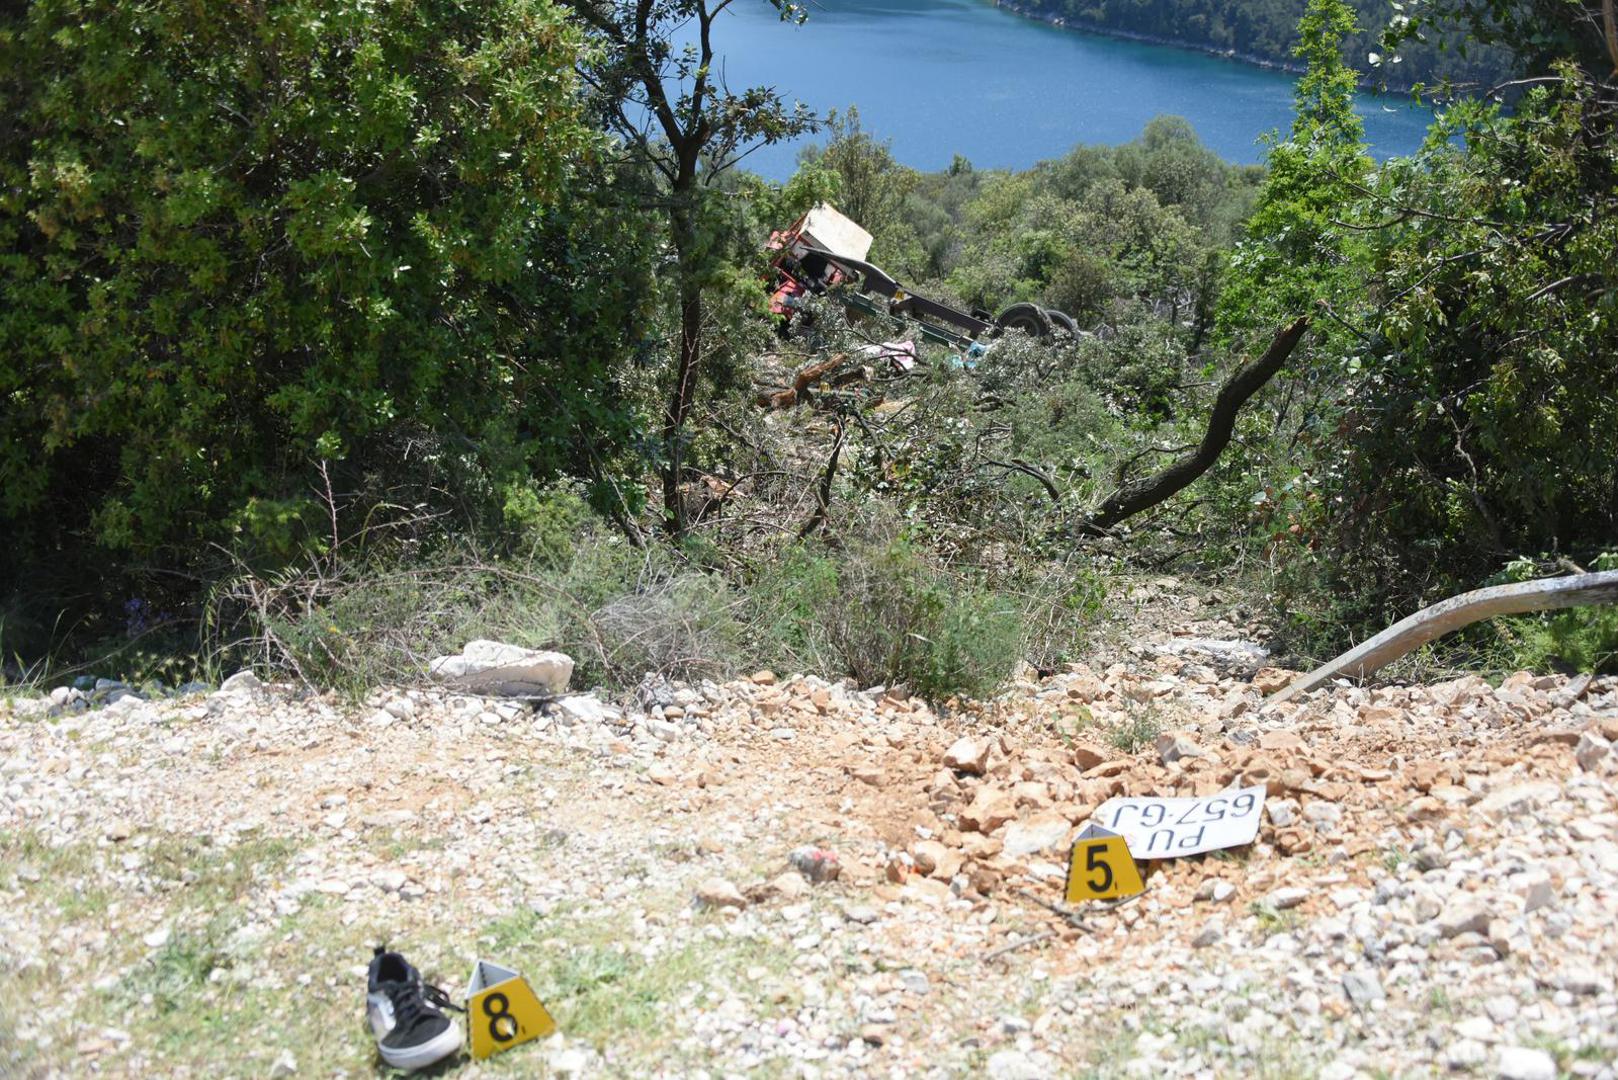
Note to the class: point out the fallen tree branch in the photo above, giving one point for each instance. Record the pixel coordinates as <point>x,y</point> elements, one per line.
<point>836,371</point>
<point>1019,465</point>
<point>1020,943</point>
<point>823,492</point>
<point>1441,618</point>
<point>1131,498</point>
<point>1073,918</point>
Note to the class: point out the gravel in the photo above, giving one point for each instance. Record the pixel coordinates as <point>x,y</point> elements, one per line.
<point>1434,889</point>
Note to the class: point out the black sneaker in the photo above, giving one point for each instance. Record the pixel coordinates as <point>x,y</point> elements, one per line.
<point>411,1033</point>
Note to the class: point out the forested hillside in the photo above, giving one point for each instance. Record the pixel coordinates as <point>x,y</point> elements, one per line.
<point>333,335</point>
<point>1266,31</point>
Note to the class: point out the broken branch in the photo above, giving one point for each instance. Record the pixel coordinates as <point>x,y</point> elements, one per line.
<point>1131,498</point>
<point>1445,616</point>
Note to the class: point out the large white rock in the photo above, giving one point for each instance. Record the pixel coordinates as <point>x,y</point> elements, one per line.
<point>1039,833</point>
<point>491,667</point>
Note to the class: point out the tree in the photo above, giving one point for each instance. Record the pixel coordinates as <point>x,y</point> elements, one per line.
<point>681,122</point>
<point>1538,35</point>
<point>1472,313</point>
<point>1486,426</point>
<point>242,242</point>
<point>1296,253</point>
<point>871,185</point>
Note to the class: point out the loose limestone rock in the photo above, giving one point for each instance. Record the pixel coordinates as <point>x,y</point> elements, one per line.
<point>1042,832</point>
<point>496,669</point>
<point>1087,755</point>
<point>716,892</point>
<point>991,809</point>
<point>1173,746</point>
<point>968,755</point>
<point>1592,752</point>
<point>1269,680</point>
<point>1363,988</point>
<point>1286,898</point>
<point>1516,799</point>
<point>936,860</point>
<point>1462,916</point>
<point>1524,1063</point>
<point>241,681</point>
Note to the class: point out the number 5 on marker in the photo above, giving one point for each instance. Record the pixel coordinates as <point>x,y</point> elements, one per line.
<point>1101,868</point>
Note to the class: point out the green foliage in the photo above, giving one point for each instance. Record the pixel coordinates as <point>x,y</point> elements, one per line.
<point>1532,36</point>
<point>881,610</point>
<point>618,611</point>
<point>1487,421</point>
<point>869,186</point>
<point>885,615</point>
<point>239,243</point>
<point>656,79</point>
<point>1103,224</point>
<point>1135,733</point>
<point>1577,639</point>
<point>1296,255</point>
<point>1079,255</point>
<point>544,524</point>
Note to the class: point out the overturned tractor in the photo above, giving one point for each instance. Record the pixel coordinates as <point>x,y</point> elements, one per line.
<point>824,253</point>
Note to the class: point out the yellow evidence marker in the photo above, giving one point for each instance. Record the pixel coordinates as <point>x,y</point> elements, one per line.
<point>1102,867</point>
<point>502,1010</point>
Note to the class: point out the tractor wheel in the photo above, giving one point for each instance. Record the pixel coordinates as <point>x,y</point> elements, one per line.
<point>1029,318</point>
<point>1061,320</point>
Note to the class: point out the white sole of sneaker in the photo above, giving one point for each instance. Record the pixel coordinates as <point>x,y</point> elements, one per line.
<point>419,1057</point>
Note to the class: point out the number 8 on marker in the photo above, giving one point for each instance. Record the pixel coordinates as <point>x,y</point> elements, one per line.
<point>502,1025</point>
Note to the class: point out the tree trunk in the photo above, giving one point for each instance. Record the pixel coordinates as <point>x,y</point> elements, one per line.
<point>679,409</point>
<point>1133,497</point>
<point>682,389</point>
<point>1446,616</point>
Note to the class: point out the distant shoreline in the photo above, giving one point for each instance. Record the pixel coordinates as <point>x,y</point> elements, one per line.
<point>1250,59</point>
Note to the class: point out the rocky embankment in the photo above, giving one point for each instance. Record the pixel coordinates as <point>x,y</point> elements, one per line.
<point>793,877</point>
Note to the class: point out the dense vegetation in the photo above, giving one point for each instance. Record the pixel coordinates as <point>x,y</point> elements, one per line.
<point>332,337</point>
<point>249,253</point>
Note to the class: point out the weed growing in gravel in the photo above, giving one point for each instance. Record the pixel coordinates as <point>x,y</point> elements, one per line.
<point>1135,733</point>
<point>880,612</point>
<point>172,979</point>
<point>1272,921</point>
<point>880,605</point>
<point>603,988</point>
<point>217,875</point>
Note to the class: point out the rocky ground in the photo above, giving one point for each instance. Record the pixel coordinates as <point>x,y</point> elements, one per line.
<point>193,887</point>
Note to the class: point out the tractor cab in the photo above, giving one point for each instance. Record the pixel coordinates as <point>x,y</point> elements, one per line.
<point>825,251</point>
<point>808,251</point>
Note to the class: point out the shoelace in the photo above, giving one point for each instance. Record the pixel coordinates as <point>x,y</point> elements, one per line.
<point>408,1006</point>
<point>411,1000</point>
<point>439,998</point>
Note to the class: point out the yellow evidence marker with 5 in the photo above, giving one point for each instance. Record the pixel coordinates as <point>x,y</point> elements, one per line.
<point>1102,867</point>
<point>502,1010</point>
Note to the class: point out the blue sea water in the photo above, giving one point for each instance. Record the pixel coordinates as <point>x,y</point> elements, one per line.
<point>947,77</point>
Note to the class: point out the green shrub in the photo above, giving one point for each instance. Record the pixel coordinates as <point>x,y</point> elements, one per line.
<point>1136,733</point>
<point>241,244</point>
<point>880,613</point>
<point>618,611</point>
<point>1575,639</point>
